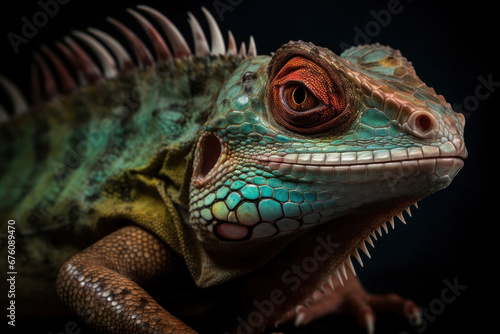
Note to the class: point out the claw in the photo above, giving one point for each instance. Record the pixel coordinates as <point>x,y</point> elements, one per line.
<point>299,319</point>
<point>367,319</point>
<point>413,313</point>
<point>416,317</point>
<point>301,315</point>
<point>370,324</point>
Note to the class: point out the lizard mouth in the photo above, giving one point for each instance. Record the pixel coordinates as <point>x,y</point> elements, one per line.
<point>209,157</point>
<point>435,165</point>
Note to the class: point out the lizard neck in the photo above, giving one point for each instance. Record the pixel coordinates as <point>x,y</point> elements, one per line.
<point>77,151</point>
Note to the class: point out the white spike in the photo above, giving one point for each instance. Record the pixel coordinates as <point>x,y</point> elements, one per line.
<point>408,211</point>
<point>329,281</point>
<point>299,319</point>
<point>370,241</point>
<point>400,216</point>
<point>344,271</point>
<point>106,60</point>
<point>321,288</point>
<point>374,235</point>
<point>384,226</point>
<point>243,50</point>
<point>177,41</point>
<point>231,44</point>
<point>379,230</point>
<point>19,103</point>
<point>252,48</point>
<point>358,257</point>
<point>142,53</point>
<point>201,48</point>
<point>218,45</point>
<point>87,66</point>
<point>391,221</point>
<point>116,48</point>
<point>365,250</point>
<point>415,205</point>
<point>163,53</point>
<point>351,265</point>
<point>337,275</point>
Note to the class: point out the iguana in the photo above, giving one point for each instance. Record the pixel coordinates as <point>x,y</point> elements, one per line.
<point>254,177</point>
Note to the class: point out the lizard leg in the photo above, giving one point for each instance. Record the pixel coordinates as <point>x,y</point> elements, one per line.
<point>102,283</point>
<point>349,297</point>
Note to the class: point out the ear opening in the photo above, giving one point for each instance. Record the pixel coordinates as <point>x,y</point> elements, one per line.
<point>209,152</point>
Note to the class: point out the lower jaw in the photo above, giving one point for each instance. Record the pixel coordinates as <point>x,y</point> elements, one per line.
<point>324,253</point>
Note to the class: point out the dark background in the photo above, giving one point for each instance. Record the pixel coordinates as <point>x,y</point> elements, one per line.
<point>452,236</point>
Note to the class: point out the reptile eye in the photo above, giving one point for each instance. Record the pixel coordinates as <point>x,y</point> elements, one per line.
<point>306,95</point>
<point>298,98</point>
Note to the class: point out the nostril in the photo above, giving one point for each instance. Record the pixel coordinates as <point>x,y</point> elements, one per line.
<point>422,124</point>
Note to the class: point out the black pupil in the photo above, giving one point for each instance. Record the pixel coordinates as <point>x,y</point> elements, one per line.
<point>299,95</point>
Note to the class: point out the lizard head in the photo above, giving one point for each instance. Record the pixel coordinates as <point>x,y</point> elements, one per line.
<point>308,143</point>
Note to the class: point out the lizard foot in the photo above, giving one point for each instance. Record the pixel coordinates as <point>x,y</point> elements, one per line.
<point>349,297</point>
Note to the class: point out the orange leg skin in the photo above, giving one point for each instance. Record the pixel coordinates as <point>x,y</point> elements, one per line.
<point>351,298</point>
<point>102,284</point>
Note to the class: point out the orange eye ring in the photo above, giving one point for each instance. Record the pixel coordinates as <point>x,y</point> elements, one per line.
<point>306,96</point>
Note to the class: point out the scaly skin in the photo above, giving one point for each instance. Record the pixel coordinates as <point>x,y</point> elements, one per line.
<point>259,176</point>
<point>104,283</point>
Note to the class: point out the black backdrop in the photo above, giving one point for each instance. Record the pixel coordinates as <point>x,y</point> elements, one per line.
<point>452,46</point>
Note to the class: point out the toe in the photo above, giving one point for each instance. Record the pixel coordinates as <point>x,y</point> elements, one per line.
<point>395,304</point>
